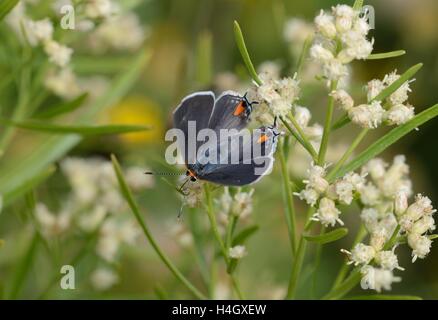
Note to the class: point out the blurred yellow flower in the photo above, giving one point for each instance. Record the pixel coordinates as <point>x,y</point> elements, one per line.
<point>142,111</point>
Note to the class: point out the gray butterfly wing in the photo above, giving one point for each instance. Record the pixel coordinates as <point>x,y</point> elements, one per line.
<point>226,114</point>
<point>195,108</point>
<point>251,164</point>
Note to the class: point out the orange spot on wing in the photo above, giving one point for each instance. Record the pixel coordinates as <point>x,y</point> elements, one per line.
<point>192,174</point>
<point>262,138</point>
<point>239,109</point>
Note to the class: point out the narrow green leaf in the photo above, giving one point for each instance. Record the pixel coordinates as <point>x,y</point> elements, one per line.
<point>27,186</point>
<point>68,129</point>
<point>52,148</point>
<point>385,93</point>
<point>358,4</point>
<point>243,235</point>
<point>386,55</point>
<point>342,121</point>
<point>6,6</point>
<point>303,55</point>
<point>345,287</point>
<point>328,237</point>
<point>63,108</point>
<point>24,266</point>
<point>391,137</point>
<point>135,210</point>
<point>240,41</point>
<point>384,297</point>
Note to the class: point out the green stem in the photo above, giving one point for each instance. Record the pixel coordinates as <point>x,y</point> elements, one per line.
<point>213,223</point>
<point>299,258</point>
<point>24,267</point>
<point>361,234</point>
<point>230,231</point>
<point>345,287</point>
<point>236,287</point>
<point>135,210</point>
<point>290,212</point>
<point>219,240</point>
<point>90,242</point>
<point>303,54</point>
<point>347,154</point>
<point>299,139</point>
<point>308,146</point>
<point>391,242</point>
<point>198,248</point>
<point>328,125</point>
<point>317,263</point>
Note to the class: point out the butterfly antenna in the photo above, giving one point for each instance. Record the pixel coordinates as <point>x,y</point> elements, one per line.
<point>165,173</point>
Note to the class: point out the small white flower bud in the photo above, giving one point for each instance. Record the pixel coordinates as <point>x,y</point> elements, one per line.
<point>237,252</point>
<point>387,260</point>
<point>376,168</point>
<point>319,53</point>
<point>369,194</point>
<point>325,25</point>
<point>425,224</point>
<point>379,236</point>
<point>400,203</point>
<point>41,30</point>
<point>344,17</point>
<point>399,114</point>
<point>344,100</point>
<point>374,87</point>
<point>367,115</point>
<point>302,116</point>
<point>362,254</point>
<point>420,246</point>
<point>280,107</point>
<point>369,217</point>
<point>344,190</point>
<point>361,26</point>
<point>422,206</point>
<point>377,279</point>
<point>314,132</point>
<point>309,195</point>
<point>327,213</point>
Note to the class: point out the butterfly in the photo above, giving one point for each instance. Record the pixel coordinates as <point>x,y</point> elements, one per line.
<point>239,163</point>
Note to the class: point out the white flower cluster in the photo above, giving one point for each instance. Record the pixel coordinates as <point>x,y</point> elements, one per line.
<point>240,205</point>
<point>394,110</point>
<point>275,95</point>
<point>116,30</point>
<point>415,221</point>
<point>341,37</point>
<point>387,216</point>
<point>39,32</point>
<point>95,205</point>
<point>319,192</point>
